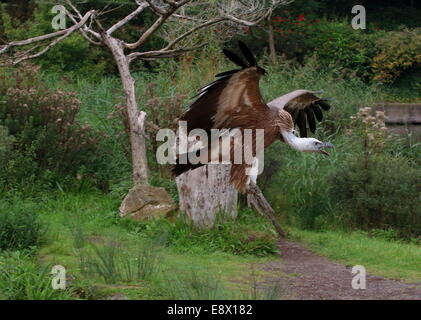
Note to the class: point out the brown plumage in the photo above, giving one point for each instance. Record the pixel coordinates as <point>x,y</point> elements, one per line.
<point>234,101</point>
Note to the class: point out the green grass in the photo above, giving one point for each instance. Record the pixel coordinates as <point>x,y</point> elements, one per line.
<point>22,278</point>
<point>391,259</point>
<point>104,255</point>
<point>85,226</point>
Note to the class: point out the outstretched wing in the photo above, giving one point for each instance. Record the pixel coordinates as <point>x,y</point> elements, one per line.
<point>233,100</point>
<point>306,110</point>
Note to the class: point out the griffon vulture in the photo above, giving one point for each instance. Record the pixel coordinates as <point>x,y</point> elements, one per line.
<point>233,102</point>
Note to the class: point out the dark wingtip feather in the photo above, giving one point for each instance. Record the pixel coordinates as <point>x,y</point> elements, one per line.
<point>323,104</point>
<point>311,120</point>
<point>234,58</point>
<point>317,112</point>
<point>302,123</point>
<point>247,54</point>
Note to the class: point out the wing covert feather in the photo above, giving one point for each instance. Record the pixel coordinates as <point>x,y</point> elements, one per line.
<point>230,102</point>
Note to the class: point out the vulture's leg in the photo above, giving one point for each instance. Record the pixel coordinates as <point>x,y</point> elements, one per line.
<point>257,200</point>
<point>252,203</point>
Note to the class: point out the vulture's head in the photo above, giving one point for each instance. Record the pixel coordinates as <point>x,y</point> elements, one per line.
<point>314,145</point>
<point>305,144</point>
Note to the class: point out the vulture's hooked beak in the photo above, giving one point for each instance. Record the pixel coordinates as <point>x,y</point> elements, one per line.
<point>325,145</point>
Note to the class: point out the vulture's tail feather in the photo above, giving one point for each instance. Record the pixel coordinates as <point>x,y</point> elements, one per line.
<point>234,58</point>
<point>247,54</point>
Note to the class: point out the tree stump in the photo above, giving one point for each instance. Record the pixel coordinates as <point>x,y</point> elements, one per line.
<point>206,192</point>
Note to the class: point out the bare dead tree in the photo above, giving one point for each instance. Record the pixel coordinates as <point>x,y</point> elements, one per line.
<point>176,21</point>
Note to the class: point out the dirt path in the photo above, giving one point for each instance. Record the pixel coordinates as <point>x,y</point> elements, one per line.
<point>310,277</point>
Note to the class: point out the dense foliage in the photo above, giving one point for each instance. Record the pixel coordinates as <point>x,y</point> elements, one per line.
<point>41,137</point>
<point>20,227</point>
<point>398,51</point>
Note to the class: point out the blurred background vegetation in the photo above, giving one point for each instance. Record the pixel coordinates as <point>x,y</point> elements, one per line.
<point>62,130</point>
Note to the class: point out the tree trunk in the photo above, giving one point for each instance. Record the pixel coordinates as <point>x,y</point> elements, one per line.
<point>136,117</point>
<point>143,201</point>
<point>272,51</point>
<point>206,192</point>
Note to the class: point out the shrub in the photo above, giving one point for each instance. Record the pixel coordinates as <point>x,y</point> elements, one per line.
<point>20,227</point>
<point>292,34</point>
<point>399,51</point>
<point>344,50</point>
<point>375,188</point>
<point>385,234</point>
<point>47,139</point>
<point>384,194</point>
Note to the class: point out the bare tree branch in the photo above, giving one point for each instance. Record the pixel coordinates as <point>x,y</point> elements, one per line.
<point>83,30</point>
<point>256,13</point>
<point>191,31</point>
<point>104,11</point>
<point>152,55</point>
<point>173,6</point>
<point>254,8</point>
<point>157,10</point>
<point>71,5</point>
<point>151,30</point>
<point>184,17</point>
<point>142,6</point>
<point>245,22</point>
<point>62,34</point>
